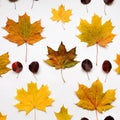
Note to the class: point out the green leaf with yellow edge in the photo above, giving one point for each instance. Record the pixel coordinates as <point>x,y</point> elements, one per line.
<point>33,98</point>
<point>94,98</point>
<point>2,117</point>
<point>23,31</point>
<point>4,61</point>
<point>96,32</point>
<point>117,60</point>
<point>63,114</point>
<point>61,58</point>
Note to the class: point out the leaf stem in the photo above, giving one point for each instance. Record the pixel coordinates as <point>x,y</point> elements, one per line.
<point>62,76</point>
<point>35,77</point>
<point>32,4</point>
<point>96,114</point>
<point>63,26</point>
<point>26,50</point>
<point>86,8</point>
<point>15,5</point>
<point>106,77</point>
<point>105,10</point>
<point>88,76</point>
<point>34,114</point>
<point>96,54</point>
<point>17,75</point>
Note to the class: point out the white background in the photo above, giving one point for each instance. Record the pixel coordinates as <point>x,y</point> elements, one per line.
<point>62,93</point>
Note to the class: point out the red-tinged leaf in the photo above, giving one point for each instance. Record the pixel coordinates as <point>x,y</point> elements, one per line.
<point>87,66</point>
<point>34,66</point>
<point>17,67</point>
<point>84,118</point>
<point>109,118</point>
<point>108,2</point>
<point>106,66</point>
<point>85,1</point>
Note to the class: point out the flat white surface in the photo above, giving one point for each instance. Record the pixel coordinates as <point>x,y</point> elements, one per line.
<point>62,93</point>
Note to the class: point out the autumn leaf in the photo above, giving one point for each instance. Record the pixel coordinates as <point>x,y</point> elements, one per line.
<point>117,60</point>
<point>2,117</point>
<point>96,32</point>
<point>33,98</point>
<point>94,98</point>
<point>23,31</point>
<point>61,14</point>
<point>4,61</point>
<point>62,58</point>
<point>63,114</point>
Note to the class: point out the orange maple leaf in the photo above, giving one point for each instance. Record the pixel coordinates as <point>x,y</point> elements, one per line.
<point>23,31</point>
<point>94,98</point>
<point>2,117</point>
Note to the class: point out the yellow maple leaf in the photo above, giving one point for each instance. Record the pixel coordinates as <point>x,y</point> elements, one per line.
<point>33,98</point>
<point>117,60</point>
<point>2,117</point>
<point>96,32</point>
<point>4,61</point>
<point>94,98</point>
<point>23,31</point>
<point>63,114</point>
<point>61,14</point>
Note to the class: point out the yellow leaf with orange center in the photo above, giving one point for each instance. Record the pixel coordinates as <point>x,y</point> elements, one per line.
<point>94,98</point>
<point>96,32</point>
